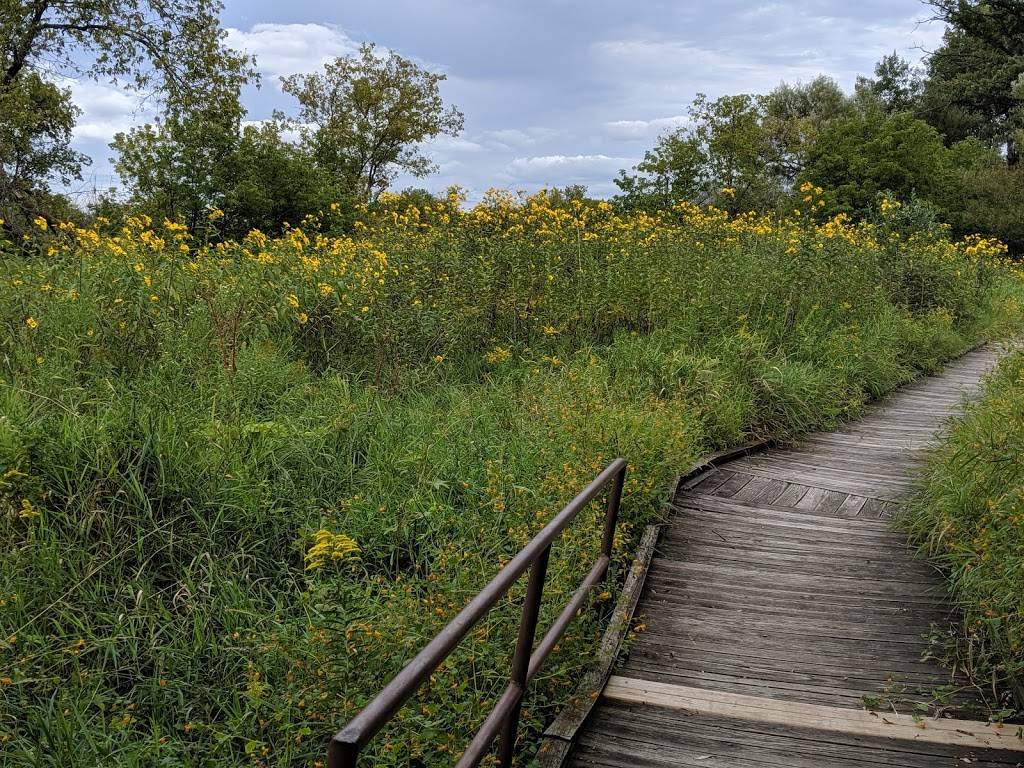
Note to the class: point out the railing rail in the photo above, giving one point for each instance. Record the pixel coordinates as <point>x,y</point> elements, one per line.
<point>504,718</point>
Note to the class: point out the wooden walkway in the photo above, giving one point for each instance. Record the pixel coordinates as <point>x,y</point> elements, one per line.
<point>780,602</point>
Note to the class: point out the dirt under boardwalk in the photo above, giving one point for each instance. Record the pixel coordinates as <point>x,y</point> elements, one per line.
<point>780,600</point>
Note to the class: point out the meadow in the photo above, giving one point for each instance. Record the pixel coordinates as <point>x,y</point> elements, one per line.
<point>241,483</point>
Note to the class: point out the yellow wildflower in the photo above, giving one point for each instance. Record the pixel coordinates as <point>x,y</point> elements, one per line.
<point>498,355</point>
<point>329,546</point>
<point>31,323</point>
<point>29,511</point>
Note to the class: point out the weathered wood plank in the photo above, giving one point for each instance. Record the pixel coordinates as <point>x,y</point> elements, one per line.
<point>978,735</point>
<point>779,596</point>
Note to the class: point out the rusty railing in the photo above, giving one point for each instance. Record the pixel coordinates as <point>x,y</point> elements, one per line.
<point>504,718</point>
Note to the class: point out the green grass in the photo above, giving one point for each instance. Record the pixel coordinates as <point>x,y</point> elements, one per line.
<point>167,461</point>
<point>969,518</point>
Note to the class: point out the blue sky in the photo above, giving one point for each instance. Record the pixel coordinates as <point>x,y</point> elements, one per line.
<point>554,92</point>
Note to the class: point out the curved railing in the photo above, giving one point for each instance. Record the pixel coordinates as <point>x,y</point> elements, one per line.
<point>504,718</point>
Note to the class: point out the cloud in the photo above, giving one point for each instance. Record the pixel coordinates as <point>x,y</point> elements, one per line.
<point>106,109</point>
<point>506,138</point>
<point>632,130</point>
<point>449,144</point>
<point>760,47</point>
<point>287,49</point>
<point>565,168</point>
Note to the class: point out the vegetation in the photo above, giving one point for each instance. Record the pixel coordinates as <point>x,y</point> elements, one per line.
<point>171,49</point>
<point>364,118</point>
<point>243,482</point>
<point>947,137</point>
<point>265,426</point>
<point>968,516</point>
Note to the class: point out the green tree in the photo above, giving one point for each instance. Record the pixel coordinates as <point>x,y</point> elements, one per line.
<point>970,88</point>
<point>36,119</point>
<point>175,167</point>
<point>896,86</point>
<point>795,116</point>
<point>726,148</point>
<point>741,152</point>
<point>365,117</point>
<point>870,153</point>
<point>270,181</point>
<point>164,48</point>
<point>989,195</point>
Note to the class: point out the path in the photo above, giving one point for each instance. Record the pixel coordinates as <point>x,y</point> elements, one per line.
<point>780,598</point>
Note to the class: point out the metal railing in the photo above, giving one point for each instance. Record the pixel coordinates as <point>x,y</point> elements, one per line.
<point>504,718</point>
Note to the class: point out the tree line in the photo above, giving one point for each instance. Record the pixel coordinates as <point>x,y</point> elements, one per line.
<point>356,123</point>
<point>944,138</point>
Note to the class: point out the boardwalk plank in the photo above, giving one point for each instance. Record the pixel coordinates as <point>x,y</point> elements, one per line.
<point>779,597</point>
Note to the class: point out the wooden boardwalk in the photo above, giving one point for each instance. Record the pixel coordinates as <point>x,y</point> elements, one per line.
<point>780,598</point>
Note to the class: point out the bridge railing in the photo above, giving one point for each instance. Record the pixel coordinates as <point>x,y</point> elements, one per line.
<point>504,718</point>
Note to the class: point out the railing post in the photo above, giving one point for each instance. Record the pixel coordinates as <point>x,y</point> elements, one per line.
<point>342,755</point>
<point>611,515</point>
<point>524,647</point>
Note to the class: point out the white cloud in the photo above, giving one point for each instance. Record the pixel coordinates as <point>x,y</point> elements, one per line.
<point>287,49</point>
<point>643,129</point>
<point>571,168</point>
<point>106,109</point>
<point>664,68</point>
<point>448,144</point>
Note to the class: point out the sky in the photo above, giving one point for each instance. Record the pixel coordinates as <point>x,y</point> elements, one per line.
<point>554,92</point>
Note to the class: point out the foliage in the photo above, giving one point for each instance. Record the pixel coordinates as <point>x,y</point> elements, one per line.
<point>178,168</point>
<point>725,157</point>
<point>171,48</point>
<point>896,86</point>
<point>969,91</point>
<point>240,484</point>
<point>36,118</point>
<point>870,153</point>
<point>794,117</point>
<point>990,194</point>
<point>364,117</point>
<point>969,517</point>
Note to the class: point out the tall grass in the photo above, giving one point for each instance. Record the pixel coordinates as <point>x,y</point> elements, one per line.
<point>969,517</point>
<point>182,423</point>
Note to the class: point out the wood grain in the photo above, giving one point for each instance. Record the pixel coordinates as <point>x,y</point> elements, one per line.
<point>779,598</point>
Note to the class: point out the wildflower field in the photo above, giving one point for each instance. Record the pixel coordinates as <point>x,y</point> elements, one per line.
<point>242,483</point>
<point>969,516</point>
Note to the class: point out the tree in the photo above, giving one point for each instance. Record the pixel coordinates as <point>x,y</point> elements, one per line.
<point>896,86</point>
<point>164,48</point>
<point>36,118</point>
<point>858,157</point>
<point>269,181</point>
<point>741,152</point>
<point>795,116</point>
<point>175,166</point>
<point>970,88</point>
<point>989,195</point>
<point>364,117</point>
<point>724,157</point>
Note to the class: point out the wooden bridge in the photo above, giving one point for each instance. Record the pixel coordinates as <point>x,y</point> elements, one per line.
<point>780,602</point>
